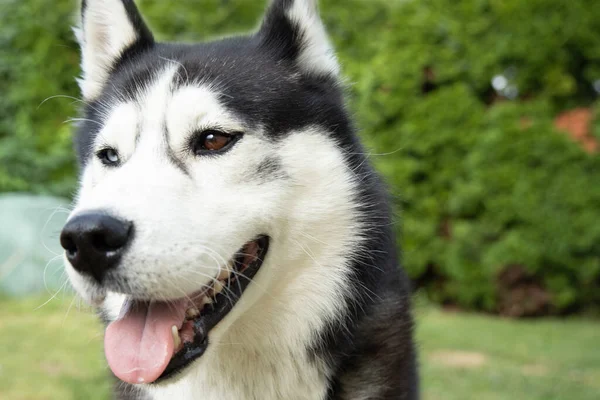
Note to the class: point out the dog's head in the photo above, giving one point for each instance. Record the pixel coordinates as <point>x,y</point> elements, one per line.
<point>209,171</point>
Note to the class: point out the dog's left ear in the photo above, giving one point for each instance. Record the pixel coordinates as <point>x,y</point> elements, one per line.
<point>109,29</point>
<point>293,30</point>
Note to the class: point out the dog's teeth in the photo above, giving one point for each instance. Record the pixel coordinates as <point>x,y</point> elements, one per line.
<point>192,313</point>
<point>217,287</point>
<point>224,274</point>
<point>204,301</point>
<point>176,338</point>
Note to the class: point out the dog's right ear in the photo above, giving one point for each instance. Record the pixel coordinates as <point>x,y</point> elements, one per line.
<point>109,28</point>
<point>293,30</point>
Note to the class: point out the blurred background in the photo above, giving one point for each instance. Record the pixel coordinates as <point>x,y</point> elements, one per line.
<point>483,116</point>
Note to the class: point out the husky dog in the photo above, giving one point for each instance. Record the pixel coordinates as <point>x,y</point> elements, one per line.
<point>228,225</point>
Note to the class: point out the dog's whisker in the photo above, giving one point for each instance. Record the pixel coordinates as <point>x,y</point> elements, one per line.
<point>75,120</point>
<point>68,310</point>
<point>52,297</point>
<point>46,270</point>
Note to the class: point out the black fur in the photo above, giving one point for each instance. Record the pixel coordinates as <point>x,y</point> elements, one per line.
<point>261,89</point>
<point>261,81</point>
<point>174,158</point>
<point>269,168</point>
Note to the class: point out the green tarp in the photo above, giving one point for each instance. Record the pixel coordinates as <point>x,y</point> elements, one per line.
<point>30,252</point>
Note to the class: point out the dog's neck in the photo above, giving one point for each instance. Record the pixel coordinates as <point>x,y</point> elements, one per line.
<point>267,352</point>
<point>233,371</point>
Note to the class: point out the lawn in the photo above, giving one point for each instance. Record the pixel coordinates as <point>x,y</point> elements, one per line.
<point>54,352</point>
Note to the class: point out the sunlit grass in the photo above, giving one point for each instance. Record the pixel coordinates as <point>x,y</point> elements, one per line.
<point>480,357</point>
<point>55,352</point>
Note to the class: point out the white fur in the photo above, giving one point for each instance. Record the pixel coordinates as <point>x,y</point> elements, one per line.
<point>188,226</point>
<point>259,350</point>
<point>150,191</point>
<point>317,54</point>
<point>105,33</point>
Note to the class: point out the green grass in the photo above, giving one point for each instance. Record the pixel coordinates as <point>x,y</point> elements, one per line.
<point>55,352</point>
<point>47,353</point>
<point>468,356</point>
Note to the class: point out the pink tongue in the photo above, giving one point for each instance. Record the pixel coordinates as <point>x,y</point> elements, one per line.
<point>139,345</point>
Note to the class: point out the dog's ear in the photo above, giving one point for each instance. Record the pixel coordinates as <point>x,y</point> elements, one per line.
<point>294,31</point>
<point>109,29</point>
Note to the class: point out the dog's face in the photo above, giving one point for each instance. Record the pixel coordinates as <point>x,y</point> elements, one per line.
<point>207,170</point>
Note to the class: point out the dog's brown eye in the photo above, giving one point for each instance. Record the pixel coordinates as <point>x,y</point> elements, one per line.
<point>212,141</point>
<point>215,141</point>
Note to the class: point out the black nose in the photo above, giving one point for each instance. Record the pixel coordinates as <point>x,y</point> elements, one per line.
<point>94,242</point>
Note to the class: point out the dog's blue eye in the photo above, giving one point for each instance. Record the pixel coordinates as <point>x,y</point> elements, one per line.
<point>108,156</point>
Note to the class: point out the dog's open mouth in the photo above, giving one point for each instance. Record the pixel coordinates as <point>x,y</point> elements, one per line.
<point>153,340</point>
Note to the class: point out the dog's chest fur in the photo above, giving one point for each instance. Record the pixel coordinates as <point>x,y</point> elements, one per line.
<point>232,373</point>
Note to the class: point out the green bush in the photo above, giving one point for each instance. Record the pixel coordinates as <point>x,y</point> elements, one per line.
<point>487,186</point>
<point>38,60</point>
<point>483,185</point>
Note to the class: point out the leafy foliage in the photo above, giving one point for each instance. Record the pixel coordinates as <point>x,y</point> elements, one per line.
<point>486,185</point>
<point>38,59</point>
<point>482,184</point>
